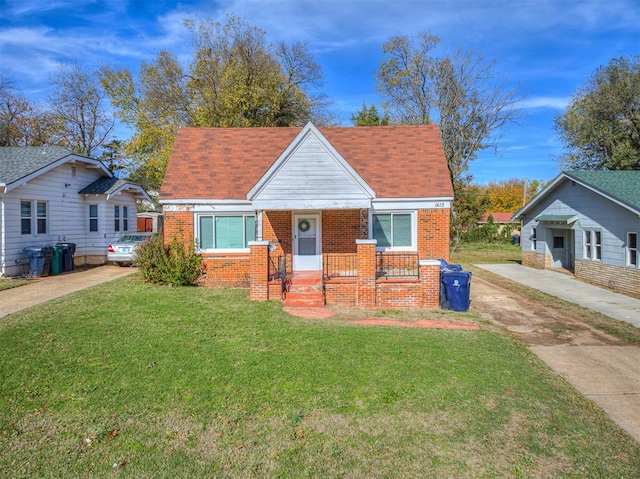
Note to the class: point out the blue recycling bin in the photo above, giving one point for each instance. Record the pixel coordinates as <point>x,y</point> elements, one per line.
<point>36,260</point>
<point>444,266</point>
<point>457,287</point>
<point>515,239</point>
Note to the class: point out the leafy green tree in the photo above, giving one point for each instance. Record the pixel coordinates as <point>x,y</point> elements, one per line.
<point>369,117</point>
<point>470,203</point>
<point>601,127</point>
<point>461,92</point>
<point>235,79</point>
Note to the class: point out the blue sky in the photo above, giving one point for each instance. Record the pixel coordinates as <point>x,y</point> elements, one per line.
<point>548,47</point>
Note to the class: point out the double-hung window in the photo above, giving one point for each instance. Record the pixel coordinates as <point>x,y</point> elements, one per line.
<point>534,239</point>
<point>632,250</point>
<point>393,230</point>
<point>26,217</point>
<point>41,217</point>
<point>225,232</point>
<point>93,218</point>
<point>116,218</point>
<point>593,245</point>
<point>125,218</point>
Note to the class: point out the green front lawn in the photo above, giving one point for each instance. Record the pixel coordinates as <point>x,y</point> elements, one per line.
<point>146,381</point>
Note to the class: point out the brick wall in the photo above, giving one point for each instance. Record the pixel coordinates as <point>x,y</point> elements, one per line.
<point>616,278</point>
<point>178,224</point>
<point>433,233</point>
<point>225,270</point>
<point>398,294</point>
<point>341,291</point>
<point>341,229</point>
<point>366,267</point>
<point>259,270</point>
<point>536,260</point>
<point>276,228</point>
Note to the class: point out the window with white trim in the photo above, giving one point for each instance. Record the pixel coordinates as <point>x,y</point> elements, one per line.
<point>25,217</point>
<point>27,208</point>
<point>125,218</point>
<point>116,218</point>
<point>593,245</point>
<point>93,218</point>
<point>225,232</point>
<point>534,239</point>
<point>632,250</point>
<point>41,217</point>
<point>393,230</point>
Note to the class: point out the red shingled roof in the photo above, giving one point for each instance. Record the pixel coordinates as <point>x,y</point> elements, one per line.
<point>225,163</point>
<point>497,217</point>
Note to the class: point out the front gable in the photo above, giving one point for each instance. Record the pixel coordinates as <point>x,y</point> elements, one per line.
<point>310,174</point>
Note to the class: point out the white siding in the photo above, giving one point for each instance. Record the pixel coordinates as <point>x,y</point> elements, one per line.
<point>67,216</point>
<point>312,177</point>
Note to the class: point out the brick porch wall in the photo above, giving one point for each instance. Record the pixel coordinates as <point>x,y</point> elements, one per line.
<point>617,278</point>
<point>341,291</point>
<point>251,270</point>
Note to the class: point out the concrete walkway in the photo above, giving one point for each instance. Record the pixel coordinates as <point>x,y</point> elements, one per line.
<point>609,375</point>
<point>565,286</point>
<point>51,287</point>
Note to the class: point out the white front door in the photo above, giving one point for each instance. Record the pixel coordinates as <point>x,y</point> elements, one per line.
<point>307,251</point>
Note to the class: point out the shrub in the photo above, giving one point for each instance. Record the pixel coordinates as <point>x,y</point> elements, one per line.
<point>174,263</point>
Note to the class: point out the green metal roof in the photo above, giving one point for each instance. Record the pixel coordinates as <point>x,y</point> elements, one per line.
<point>557,218</point>
<point>623,186</point>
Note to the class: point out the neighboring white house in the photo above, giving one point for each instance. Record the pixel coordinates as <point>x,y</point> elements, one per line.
<point>587,222</point>
<point>49,194</point>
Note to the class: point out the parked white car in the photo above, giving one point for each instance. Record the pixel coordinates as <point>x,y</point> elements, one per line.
<point>121,252</point>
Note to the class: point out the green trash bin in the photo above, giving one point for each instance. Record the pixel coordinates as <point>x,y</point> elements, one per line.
<point>56,260</point>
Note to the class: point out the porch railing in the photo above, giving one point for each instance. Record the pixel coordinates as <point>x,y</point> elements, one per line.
<point>397,265</point>
<point>339,266</point>
<point>278,269</point>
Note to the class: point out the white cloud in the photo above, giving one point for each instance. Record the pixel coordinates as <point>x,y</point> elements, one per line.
<point>556,103</point>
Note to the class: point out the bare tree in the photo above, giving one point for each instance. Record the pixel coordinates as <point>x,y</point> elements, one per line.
<point>22,123</point>
<point>461,92</point>
<point>78,105</point>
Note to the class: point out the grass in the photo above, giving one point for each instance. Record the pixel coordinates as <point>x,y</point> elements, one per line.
<point>8,283</point>
<point>146,381</point>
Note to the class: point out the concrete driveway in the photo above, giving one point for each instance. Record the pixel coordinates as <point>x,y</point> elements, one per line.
<point>51,287</point>
<point>601,367</point>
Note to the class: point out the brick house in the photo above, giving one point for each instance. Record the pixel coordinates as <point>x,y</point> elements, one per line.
<point>355,216</point>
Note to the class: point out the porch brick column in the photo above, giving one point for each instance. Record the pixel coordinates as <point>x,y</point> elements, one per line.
<point>259,270</point>
<point>366,280</point>
<point>430,283</point>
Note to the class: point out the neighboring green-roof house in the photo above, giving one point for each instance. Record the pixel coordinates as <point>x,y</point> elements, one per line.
<point>49,194</point>
<point>587,222</point>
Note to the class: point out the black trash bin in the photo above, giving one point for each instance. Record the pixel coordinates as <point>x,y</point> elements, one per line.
<point>47,251</point>
<point>457,286</point>
<point>68,251</point>
<point>515,239</point>
<point>36,260</point>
